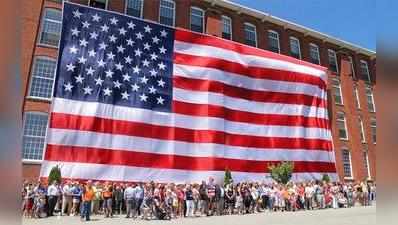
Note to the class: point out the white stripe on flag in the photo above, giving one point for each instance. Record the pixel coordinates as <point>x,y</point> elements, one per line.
<point>238,80</point>
<point>170,147</point>
<point>247,60</point>
<point>184,121</point>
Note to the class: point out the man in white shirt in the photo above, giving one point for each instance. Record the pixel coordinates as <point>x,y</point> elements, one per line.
<point>129,196</point>
<point>309,194</point>
<point>52,192</point>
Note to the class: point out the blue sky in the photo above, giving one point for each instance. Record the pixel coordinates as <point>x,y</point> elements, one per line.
<point>349,20</point>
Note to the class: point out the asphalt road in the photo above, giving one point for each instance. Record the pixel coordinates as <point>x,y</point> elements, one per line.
<point>352,216</point>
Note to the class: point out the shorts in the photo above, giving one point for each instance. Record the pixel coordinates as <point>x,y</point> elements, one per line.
<point>76,200</point>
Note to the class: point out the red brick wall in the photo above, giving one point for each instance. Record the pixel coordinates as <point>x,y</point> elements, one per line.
<point>31,20</point>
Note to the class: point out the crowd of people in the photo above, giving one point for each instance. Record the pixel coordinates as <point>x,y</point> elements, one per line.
<point>167,201</point>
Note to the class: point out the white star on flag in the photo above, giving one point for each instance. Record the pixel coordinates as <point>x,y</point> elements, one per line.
<point>131,25</point>
<point>162,66</point>
<point>87,90</point>
<point>70,67</point>
<point>91,53</point>
<point>85,24</point>
<point>147,29</point>
<point>82,60</point>
<point>101,63</point>
<point>68,86</point>
<point>73,50</point>
<point>104,28</point>
<point>161,83</point>
<point>117,84</point>
<point>139,35</point>
<point>163,33</point>
<point>143,97</point>
<point>109,73</point>
<point>125,95</point>
<point>90,71</point>
<point>75,32</point>
<point>144,80</point>
<point>96,18</point>
<point>77,14</point>
<point>128,59</point>
<point>155,39</point>
<point>135,87</point>
<point>98,81</point>
<point>152,90</point>
<point>107,92</point>
<point>79,79</point>
<point>114,21</point>
<point>160,100</point>
<point>122,31</point>
<point>126,77</point>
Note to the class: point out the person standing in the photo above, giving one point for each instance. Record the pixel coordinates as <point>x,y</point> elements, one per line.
<point>139,198</point>
<point>189,201</point>
<point>52,193</point>
<point>118,198</point>
<point>88,196</point>
<point>66,198</point>
<point>211,193</point>
<point>107,196</point>
<point>129,195</point>
<point>204,199</point>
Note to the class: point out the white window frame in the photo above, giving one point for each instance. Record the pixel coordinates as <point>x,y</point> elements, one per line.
<point>340,90</point>
<point>371,129</point>
<point>291,38</point>
<point>35,161</point>
<point>174,11</point>
<point>255,32</point>
<point>356,92</point>
<point>370,90</point>
<point>203,18</point>
<point>106,4</point>
<point>335,58</point>
<point>344,120</point>
<point>317,52</point>
<point>363,62</point>
<point>31,79</point>
<point>42,24</point>
<point>350,159</point>
<point>362,133</point>
<point>230,24</point>
<point>141,10</point>
<point>369,176</point>
<point>352,65</point>
<point>277,34</point>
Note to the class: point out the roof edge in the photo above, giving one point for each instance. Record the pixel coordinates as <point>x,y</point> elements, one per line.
<point>287,24</point>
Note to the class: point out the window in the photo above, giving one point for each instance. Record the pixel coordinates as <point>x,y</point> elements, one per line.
<point>41,85</point>
<point>226,27</point>
<point>167,12</point>
<point>365,71</point>
<point>352,65</point>
<point>295,48</point>
<point>366,163</point>
<point>358,103</point>
<point>273,41</point>
<point>362,130</point>
<point>197,19</point>
<point>250,34</point>
<point>373,129</point>
<point>342,126</point>
<point>338,97</point>
<point>370,99</point>
<point>347,169</point>
<point>314,54</point>
<point>333,61</point>
<point>51,27</point>
<point>34,132</point>
<point>134,8</point>
<point>101,4</point>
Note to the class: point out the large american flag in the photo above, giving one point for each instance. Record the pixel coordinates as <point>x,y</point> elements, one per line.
<point>137,101</point>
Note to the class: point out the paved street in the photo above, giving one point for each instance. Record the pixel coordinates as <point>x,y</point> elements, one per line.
<point>356,216</point>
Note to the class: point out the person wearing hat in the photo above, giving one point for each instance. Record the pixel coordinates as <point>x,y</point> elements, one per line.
<point>88,196</point>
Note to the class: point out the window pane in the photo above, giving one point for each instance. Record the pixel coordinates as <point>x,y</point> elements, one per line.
<point>332,61</point>
<point>101,4</point>
<point>314,54</point>
<point>273,41</point>
<point>357,98</point>
<point>197,20</point>
<point>352,65</point>
<point>341,126</point>
<point>338,98</point>
<point>373,129</point>
<point>250,35</point>
<point>361,130</point>
<point>295,48</point>
<point>226,28</point>
<point>35,125</point>
<point>167,12</point>
<point>370,100</point>
<point>365,71</point>
<point>346,163</point>
<point>134,8</point>
<point>42,78</point>
<point>51,27</point>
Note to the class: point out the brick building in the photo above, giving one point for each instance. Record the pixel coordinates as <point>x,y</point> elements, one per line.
<point>351,74</point>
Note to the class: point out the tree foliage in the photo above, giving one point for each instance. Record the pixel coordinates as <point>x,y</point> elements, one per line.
<point>282,172</point>
<point>326,178</point>
<point>55,175</point>
<point>227,177</point>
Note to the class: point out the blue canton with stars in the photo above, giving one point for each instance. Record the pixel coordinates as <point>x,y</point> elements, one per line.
<point>115,59</point>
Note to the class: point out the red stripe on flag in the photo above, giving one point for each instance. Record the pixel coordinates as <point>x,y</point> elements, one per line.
<point>152,160</point>
<point>248,94</point>
<point>192,109</point>
<point>111,126</point>
<point>194,38</point>
<point>249,71</point>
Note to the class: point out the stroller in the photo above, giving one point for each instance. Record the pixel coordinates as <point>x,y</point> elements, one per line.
<point>161,211</point>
